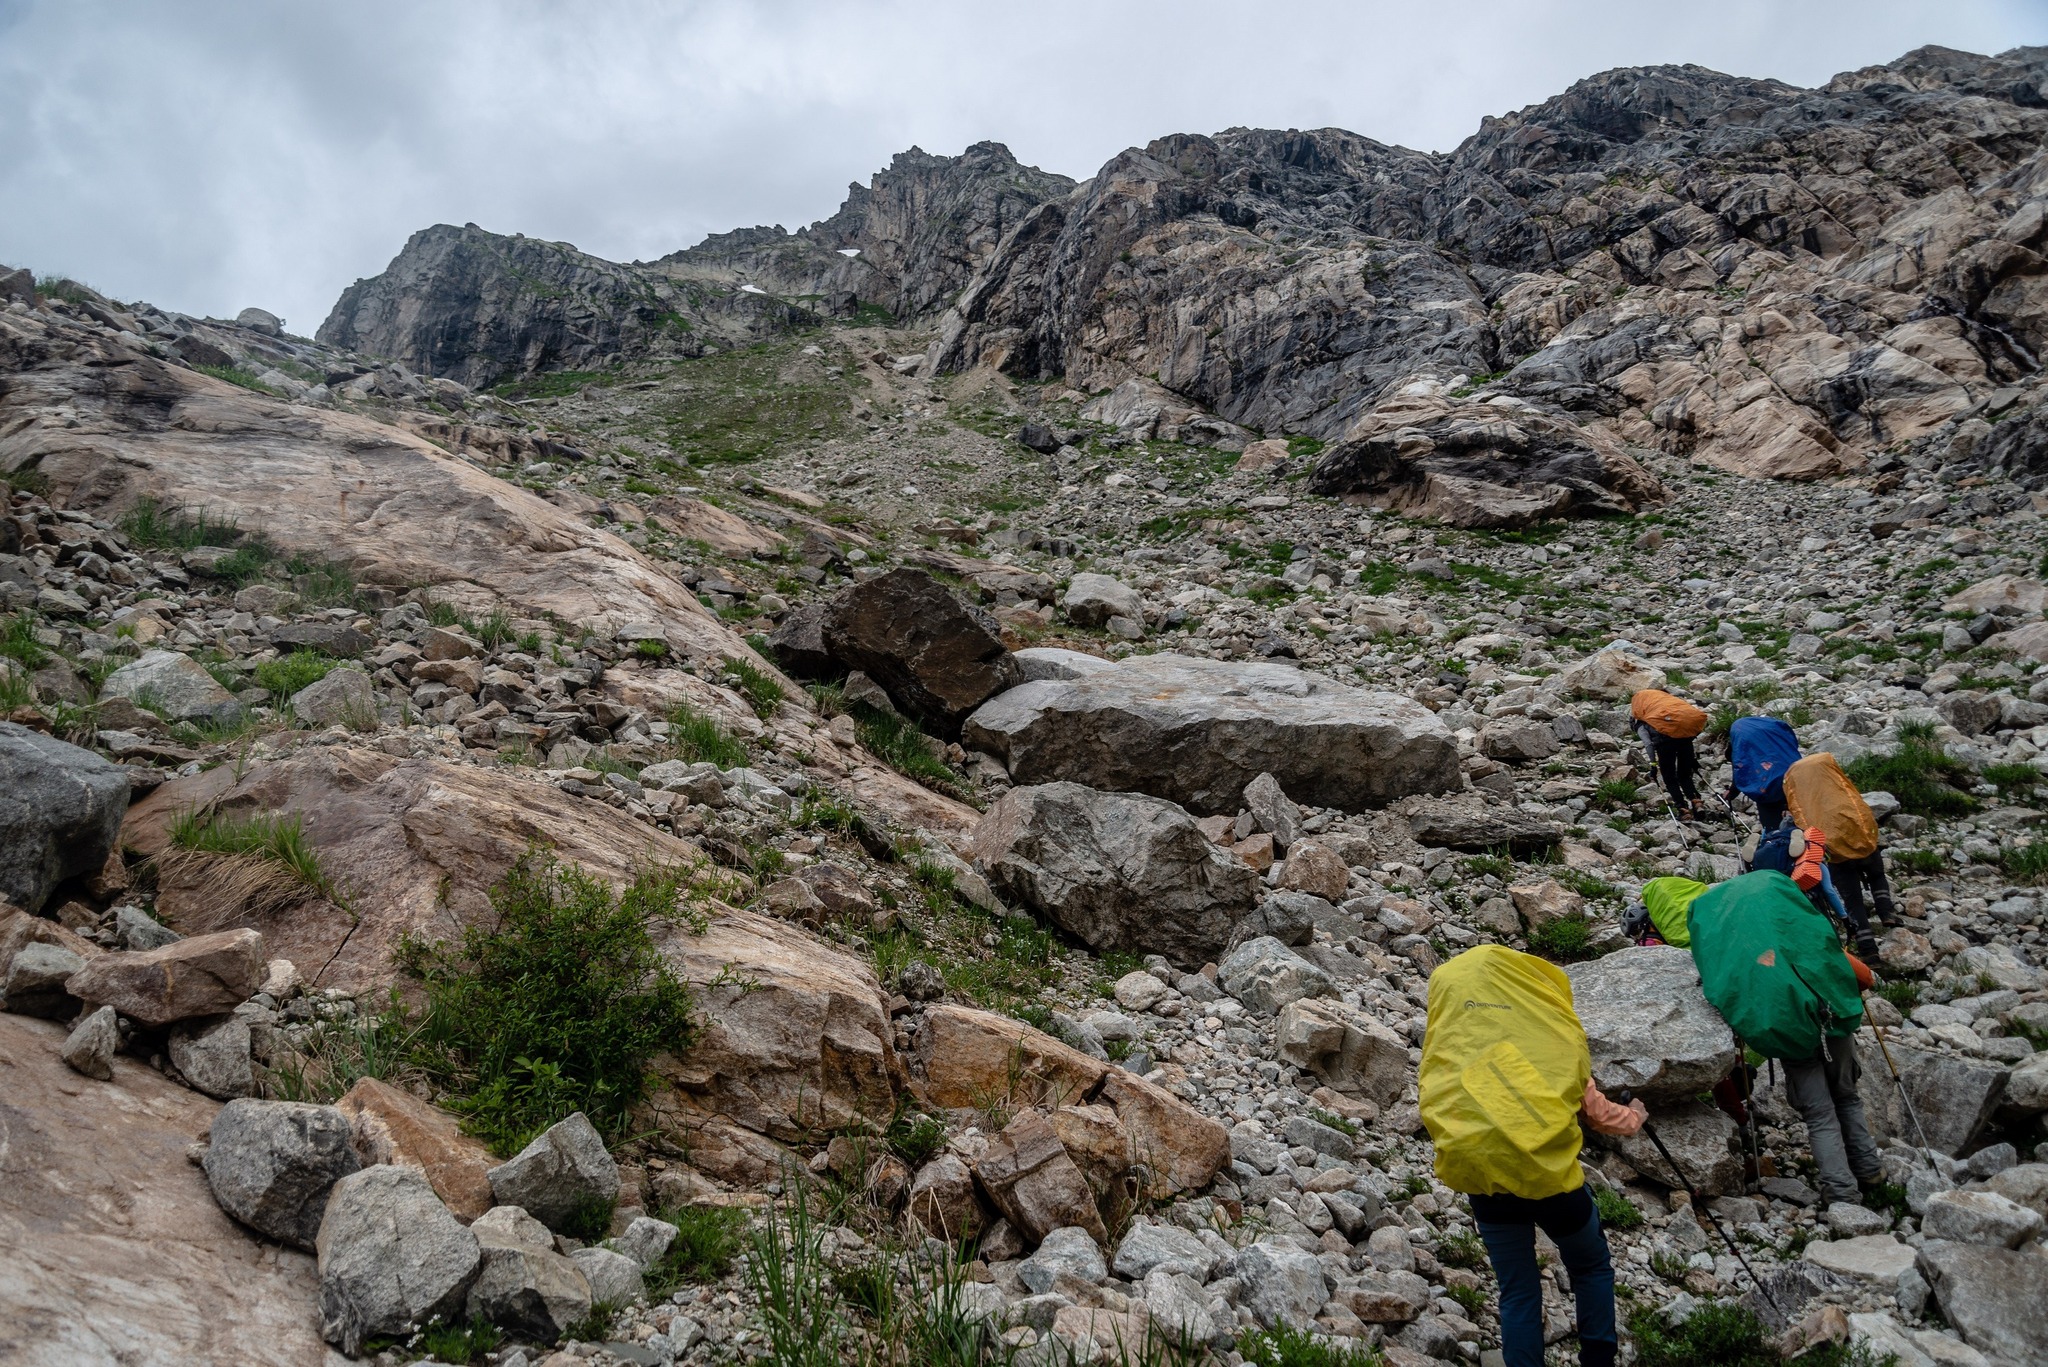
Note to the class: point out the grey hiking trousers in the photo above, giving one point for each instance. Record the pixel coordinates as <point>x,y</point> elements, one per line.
<point>1823,1091</point>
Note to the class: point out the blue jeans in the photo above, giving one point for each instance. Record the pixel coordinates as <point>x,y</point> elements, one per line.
<point>1508,1226</point>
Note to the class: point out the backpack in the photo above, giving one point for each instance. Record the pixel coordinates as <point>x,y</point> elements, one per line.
<point>1761,749</point>
<point>1668,900</point>
<point>1667,715</point>
<point>1821,795</point>
<point>1504,1068</point>
<point>1771,964</point>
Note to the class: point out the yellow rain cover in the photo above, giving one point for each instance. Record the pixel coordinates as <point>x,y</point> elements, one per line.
<point>1504,1066</point>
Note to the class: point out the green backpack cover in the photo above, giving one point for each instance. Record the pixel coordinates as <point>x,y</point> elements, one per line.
<point>1772,966</point>
<point>1668,900</point>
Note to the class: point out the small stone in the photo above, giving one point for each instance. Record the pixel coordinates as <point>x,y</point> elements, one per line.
<point>91,1044</point>
<point>271,1165</point>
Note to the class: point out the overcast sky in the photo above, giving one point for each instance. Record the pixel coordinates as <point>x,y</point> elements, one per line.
<point>208,156</point>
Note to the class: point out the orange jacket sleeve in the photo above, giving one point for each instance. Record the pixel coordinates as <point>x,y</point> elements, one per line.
<point>1865,979</point>
<point>1607,1117</point>
<point>1806,873</point>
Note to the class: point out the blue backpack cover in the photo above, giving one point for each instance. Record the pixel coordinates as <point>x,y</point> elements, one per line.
<point>1761,749</point>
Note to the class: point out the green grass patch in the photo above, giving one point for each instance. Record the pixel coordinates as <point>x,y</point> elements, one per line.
<point>1725,1334</point>
<point>18,640</point>
<point>1900,993</point>
<point>736,406</point>
<point>2028,863</point>
<point>278,839</point>
<point>700,739</point>
<point>237,375</point>
<point>559,1006</point>
<point>1461,1248</point>
<point>896,741</point>
<point>708,1242</point>
<point>288,674</point>
<point>458,1343</point>
<point>1494,863</point>
<point>1919,774</point>
<point>1614,793</point>
<point>756,685</point>
<point>2012,780</point>
<point>1920,861</point>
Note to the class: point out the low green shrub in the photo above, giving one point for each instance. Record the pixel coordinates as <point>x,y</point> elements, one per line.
<point>559,1006</point>
<point>1567,940</point>
<point>1285,1346</point>
<point>756,685</point>
<point>279,839</point>
<point>1919,773</point>
<point>700,739</point>
<point>1616,1210</point>
<point>288,674</point>
<point>707,1243</point>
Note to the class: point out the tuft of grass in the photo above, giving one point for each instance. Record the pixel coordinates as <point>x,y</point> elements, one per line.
<point>650,649</point>
<point>707,1243</point>
<point>2012,779</point>
<point>1497,863</point>
<point>1615,792</point>
<point>288,674</point>
<point>1286,1346</point>
<point>276,838</point>
<point>1335,1122</point>
<point>557,1008</point>
<point>1726,1334</point>
<point>1901,993</point>
<point>799,1317</point>
<point>1919,774</point>
<point>334,1059</point>
<point>1567,940</point>
<point>458,1343</point>
<point>756,685</point>
<point>700,739</point>
<point>18,641</point>
<point>1471,1299</point>
<point>1920,861</point>
<point>1890,1199</point>
<point>2028,863</point>
<point>1616,1210</point>
<point>915,1137</point>
<point>898,743</point>
<point>155,525</point>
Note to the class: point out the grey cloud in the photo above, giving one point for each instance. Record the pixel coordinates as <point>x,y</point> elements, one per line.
<point>212,155</point>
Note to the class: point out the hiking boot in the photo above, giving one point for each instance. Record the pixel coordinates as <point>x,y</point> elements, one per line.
<point>1866,947</point>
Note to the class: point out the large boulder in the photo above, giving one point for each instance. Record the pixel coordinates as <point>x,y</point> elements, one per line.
<point>1281,1283</point>
<point>60,810</point>
<point>1614,675</point>
<point>1648,1024</point>
<point>560,1176</point>
<point>271,1165</point>
<point>1092,599</point>
<point>390,1125</point>
<point>1196,731</point>
<point>522,1283</point>
<point>176,685</point>
<point>1992,1297</point>
<point>117,1251</point>
<point>391,1258</point>
<point>1119,871</point>
<point>206,975</point>
<point>937,658</point>
<point>1952,1097</point>
<point>1980,1217</point>
<point>1345,1047</point>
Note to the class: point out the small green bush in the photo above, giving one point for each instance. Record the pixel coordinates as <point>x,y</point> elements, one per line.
<point>708,1240</point>
<point>1616,1210</point>
<point>2028,863</point>
<point>288,674</point>
<point>459,1343</point>
<point>1567,940</point>
<point>1615,792</point>
<point>18,640</point>
<point>1285,1346</point>
<point>1901,993</point>
<point>1920,861</point>
<point>2012,778</point>
<point>559,1006</point>
<point>1461,1248</point>
<point>153,525</point>
<point>915,1137</point>
<point>1919,774</point>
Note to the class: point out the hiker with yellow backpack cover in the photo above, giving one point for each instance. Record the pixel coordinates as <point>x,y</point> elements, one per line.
<point>1506,1077</point>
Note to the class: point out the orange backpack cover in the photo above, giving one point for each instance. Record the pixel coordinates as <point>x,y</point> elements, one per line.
<point>1667,715</point>
<point>1820,794</point>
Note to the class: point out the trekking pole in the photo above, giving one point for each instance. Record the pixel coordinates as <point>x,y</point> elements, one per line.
<point>1699,1204</point>
<point>1926,1149</point>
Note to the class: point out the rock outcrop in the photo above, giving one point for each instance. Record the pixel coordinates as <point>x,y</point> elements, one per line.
<point>936,658</point>
<point>1196,731</point>
<point>60,809</point>
<point>1649,1024</point>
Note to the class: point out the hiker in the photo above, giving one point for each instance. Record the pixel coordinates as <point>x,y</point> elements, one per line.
<point>1822,797</point>
<point>1775,970</point>
<point>1802,857</point>
<point>1506,1078</point>
<point>1761,749</point>
<point>1666,726</point>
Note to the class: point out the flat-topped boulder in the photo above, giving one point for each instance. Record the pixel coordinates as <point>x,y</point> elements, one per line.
<point>1648,1022</point>
<point>1196,731</point>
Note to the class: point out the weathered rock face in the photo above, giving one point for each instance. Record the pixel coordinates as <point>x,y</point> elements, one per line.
<point>60,809</point>
<point>116,1246</point>
<point>1660,257</point>
<point>1462,826</point>
<point>1992,1296</point>
<point>388,1125</point>
<point>106,423</point>
<point>1482,465</point>
<point>176,683</point>
<point>1648,1024</point>
<point>1346,1048</point>
<point>565,1169</point>
<point>937,659</point>
<point>1196,731</point>
<point>1952,1096</point>
<point>1031,1179</point>
<point>480,307</point>
<point>1120,871</point>
<point>522,1283</point>
<point>1701,1138</point>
